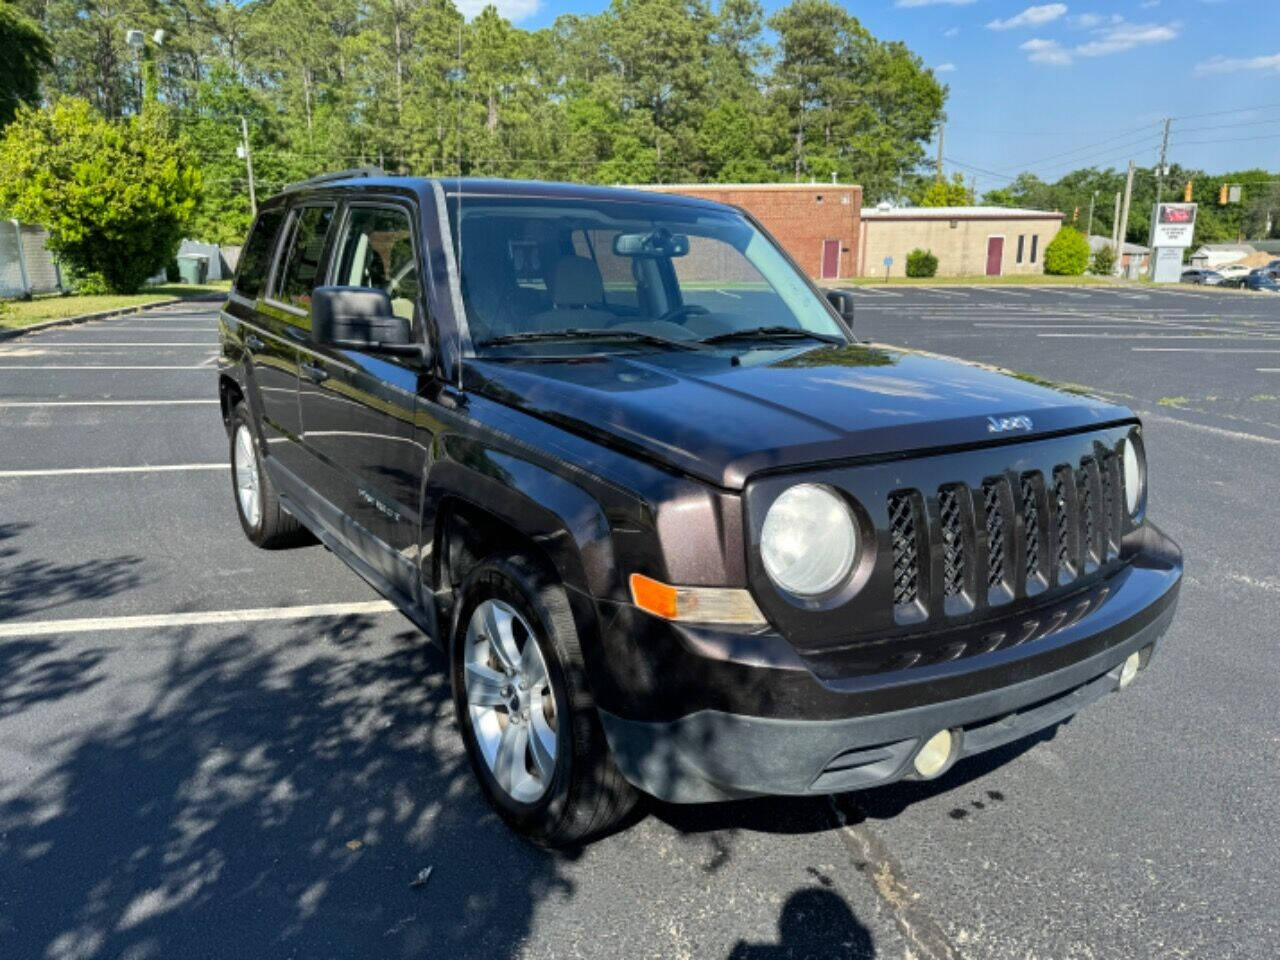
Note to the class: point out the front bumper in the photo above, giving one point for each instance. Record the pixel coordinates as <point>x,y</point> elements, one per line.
<point>757,722</point>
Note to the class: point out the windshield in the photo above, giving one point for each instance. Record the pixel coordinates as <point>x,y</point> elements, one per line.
<point>653,273</point>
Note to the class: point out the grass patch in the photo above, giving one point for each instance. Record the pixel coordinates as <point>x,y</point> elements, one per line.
<point>1012,280</point>
<point>15,314</point>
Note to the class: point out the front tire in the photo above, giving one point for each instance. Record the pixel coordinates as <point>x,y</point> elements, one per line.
<point>528,720</point>
<point>265,522</point>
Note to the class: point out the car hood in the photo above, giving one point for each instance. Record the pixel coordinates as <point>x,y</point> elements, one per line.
<point>723,416</point>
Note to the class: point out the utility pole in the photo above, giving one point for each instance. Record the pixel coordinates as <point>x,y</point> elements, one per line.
<point>942,132</point>
<point>1089,230</point>
<point>973,189</point>
<point>1115,224</point>
<point>1124,213</point>
<point>248,164</point>
<point>1164,153</point>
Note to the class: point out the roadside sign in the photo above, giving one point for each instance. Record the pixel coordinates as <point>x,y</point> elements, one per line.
<point>1173,224</point>
<point>888,261</point>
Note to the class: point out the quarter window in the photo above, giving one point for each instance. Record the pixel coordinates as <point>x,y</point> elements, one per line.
<point>301,268</point>
<point>255,258</point>
<point>376,251</point>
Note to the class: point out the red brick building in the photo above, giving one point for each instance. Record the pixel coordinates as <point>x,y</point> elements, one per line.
<point>817,223</point>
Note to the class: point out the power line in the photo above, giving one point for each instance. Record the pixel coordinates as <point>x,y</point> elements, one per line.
<point>1220,113</point>
<point>1143,132</point>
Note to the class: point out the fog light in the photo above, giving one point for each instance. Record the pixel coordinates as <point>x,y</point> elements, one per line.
<point>1130,668</point>
<point>934,755</point>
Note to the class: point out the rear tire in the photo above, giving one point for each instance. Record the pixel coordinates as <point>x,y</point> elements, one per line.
<point>264,521</point>
<point>578,793</point>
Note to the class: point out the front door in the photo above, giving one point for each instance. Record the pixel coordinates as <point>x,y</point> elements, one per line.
<point>282,322</point>
<point>366,458</point>
<point>830,259</point>
<point>995,255</point>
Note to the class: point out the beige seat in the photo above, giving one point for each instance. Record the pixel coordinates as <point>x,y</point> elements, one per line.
<point>577,297</point>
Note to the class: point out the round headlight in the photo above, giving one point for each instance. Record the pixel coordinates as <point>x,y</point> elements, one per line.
<point>1134,475</point>
<point>809,541</point>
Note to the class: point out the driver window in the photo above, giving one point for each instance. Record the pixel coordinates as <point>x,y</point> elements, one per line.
<point>376,251</point>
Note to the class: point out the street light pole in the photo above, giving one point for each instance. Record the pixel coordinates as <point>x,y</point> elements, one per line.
<point>146,53</point>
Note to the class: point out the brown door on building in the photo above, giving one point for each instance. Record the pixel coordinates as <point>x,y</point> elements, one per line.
<point>995,255</point>
<point>830,259</point>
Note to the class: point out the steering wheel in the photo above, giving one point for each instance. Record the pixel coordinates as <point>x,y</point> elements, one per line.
<point>684,310</point>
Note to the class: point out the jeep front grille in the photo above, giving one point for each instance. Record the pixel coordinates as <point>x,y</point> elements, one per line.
<point>953,559</point>
<point>1012,536</point>
<point>906,549</point>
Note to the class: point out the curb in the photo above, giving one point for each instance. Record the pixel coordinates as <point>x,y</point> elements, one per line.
<point>85,317</point>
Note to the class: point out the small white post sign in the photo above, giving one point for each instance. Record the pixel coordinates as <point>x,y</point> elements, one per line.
<point>1173,226</point>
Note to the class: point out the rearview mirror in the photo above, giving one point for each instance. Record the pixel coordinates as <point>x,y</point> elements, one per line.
<point>361,318</point>
<point>842,300</point>
<point>656,243</point>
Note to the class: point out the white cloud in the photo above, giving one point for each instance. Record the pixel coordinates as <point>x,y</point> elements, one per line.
<point>1222,64</point>
<point>1030,17</point>
<point>513,10</point>
<point>1148,4</point>
<point>933,3</point>
<point>951,31</point>
<point>1125,36</point>
<point>945,68</point>
<point>1047,52</point>
<point>1085,20</point>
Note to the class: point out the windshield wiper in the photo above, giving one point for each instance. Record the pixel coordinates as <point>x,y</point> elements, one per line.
<point>534,336</point>
<point>772,333</point>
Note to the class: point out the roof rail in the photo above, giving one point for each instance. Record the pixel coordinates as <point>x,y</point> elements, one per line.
<point>373,171</point>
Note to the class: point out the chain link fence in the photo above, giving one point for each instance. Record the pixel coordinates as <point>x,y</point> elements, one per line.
<point>27,267</point>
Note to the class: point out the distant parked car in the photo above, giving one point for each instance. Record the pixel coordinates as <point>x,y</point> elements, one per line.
<point>1209,278</point>
<point>1233,272</point>
<point>1263,279</point>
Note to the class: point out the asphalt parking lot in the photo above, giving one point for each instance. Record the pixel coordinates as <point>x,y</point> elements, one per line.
<point>208,750</point>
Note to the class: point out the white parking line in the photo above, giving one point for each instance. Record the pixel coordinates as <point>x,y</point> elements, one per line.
<point>102,403</point>
<point>1149,417</point>
<point>89,471</point>
<point>44,628</point>
<point>1163,336</point>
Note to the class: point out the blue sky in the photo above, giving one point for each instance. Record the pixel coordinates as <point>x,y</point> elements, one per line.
<point>1051,86</point>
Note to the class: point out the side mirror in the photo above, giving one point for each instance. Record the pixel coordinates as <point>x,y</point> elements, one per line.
<point>360,318</point>
<point>843,301</point>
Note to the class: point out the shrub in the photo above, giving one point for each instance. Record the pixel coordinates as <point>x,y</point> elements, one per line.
<point>1067,254</point>
<point>115,196</point>
<point>1104,261</point>
<point>921,263</point>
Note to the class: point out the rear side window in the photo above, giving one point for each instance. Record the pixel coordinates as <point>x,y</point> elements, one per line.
<point>300,269</point>
<point>255,258</point>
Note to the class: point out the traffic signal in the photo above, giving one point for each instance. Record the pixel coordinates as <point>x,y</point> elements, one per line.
<point>1222,195</point>
<point>1186,194</point>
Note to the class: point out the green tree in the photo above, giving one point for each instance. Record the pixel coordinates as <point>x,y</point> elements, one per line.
<point>25,52</point>
<point>115,196</point>
<point>940,193</point>
<point>1103,263</point>
<point>1067,254</point>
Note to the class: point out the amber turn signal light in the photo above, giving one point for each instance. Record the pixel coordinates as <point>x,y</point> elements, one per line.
<point>694,604</point>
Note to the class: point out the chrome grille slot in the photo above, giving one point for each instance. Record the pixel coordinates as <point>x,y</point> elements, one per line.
<point>1030,491</point>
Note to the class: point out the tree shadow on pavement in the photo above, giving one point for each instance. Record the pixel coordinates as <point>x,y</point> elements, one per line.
<point>35,586</point>
<point>265,794</point>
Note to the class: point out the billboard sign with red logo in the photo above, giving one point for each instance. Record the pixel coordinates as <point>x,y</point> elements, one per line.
<point>1173,225</point>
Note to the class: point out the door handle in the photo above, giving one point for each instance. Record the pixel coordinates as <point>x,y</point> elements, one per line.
<point>315,374</point>
<point>253,343</point>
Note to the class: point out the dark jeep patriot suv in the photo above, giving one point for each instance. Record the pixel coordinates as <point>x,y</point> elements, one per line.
<point>675,527</point>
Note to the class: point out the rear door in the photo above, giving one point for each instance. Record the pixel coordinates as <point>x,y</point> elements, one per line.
<point>358,409</point>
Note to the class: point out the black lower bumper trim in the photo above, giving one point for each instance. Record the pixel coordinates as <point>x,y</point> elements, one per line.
<point>711,755</point>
